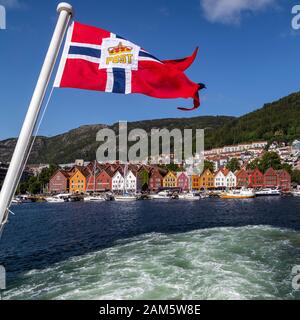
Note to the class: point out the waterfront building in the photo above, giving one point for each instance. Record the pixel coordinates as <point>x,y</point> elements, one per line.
<point>78,180</point>
<point>230,181</point>
<point>271,178</point>
<point>156,179</point>
<point>206,179</point>
<point>104,180</point>
<point>195,182</point>
<point>220,179</point>
<point>118,181</point>
<point>284,180</point>
<point>130,181</point>
<point>256,178</point>
<point>183,181</point>
<point>59,182</point>
<point>170,180</point>
<point>242,178</point>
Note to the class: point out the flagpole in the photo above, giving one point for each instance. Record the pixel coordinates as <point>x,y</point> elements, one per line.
<point>17,163</point>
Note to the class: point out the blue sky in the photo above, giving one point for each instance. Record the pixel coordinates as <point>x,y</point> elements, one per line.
<point>249,55</point>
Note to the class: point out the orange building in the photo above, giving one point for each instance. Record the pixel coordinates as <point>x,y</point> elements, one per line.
<point>195,182</point>
<point>206,179</point>
<point>78,180</point>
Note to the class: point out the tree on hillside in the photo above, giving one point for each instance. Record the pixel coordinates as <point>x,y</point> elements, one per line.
<point>233,165</point>
<point>209,165</point>
<point>270,160</point>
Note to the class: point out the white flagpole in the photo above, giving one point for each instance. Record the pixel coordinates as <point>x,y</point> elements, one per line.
<point>16,166</point>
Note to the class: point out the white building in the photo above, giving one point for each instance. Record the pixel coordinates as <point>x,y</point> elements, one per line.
<point>220,179</point>
<point>117,182</point>
<point>225,179</point>
<point>230,181</point>
<point>131,182</point>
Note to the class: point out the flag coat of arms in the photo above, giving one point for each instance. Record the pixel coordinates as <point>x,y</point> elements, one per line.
<point>95,59</point>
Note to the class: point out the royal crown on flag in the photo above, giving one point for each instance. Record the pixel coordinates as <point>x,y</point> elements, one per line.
<point>120,48</point>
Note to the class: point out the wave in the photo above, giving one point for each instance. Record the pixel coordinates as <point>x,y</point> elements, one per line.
<point>252,262</point>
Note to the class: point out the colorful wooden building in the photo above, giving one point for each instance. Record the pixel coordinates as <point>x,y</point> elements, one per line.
<point>156,179</point>
<point>78,180</point>
<point>183,181</point>
<point>256,178</point>
<point>195,182</point>
<point>242,178</point>
<point>206,179</point>
<point>59,182</point>
<point>170,180</point>
<point>284,180</point>
<point>271,178</point>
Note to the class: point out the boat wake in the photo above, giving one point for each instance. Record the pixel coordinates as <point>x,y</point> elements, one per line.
<point>252,262</point>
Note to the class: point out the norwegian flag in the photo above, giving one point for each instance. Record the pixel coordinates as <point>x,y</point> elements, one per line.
<point>95,59</point>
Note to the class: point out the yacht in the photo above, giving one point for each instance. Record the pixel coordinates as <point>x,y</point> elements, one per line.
<point>296,193</point>
<point>268,192</point>
<point>125,197</point>
<point>243,193</point>
<point>189,196</point>
<point>162,195</point>
<point>93,199</point>
<point>58,198</point>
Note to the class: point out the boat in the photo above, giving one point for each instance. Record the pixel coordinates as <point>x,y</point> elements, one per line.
<point>243,193</point>
<point>189,196</point>
<point>16,201</point>
<point>296,193</point>
<point>125,197</point>
<point>93,198</point>
<point>63,197</point>
<point>23,199</point>
<point>162,195</point>
<point>268,192</point>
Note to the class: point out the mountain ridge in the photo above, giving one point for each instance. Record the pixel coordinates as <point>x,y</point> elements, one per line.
<point>279,120</point>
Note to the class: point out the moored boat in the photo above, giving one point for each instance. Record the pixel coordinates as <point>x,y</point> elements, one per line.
<point>268,192</point>
<point>243,193</point>
<point>93,198</point>
<point>162,195</point>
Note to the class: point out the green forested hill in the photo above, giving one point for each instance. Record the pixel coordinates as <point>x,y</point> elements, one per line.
<point>279,120</point>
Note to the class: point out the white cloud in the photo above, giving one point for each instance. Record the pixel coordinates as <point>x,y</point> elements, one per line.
<point>230,11</point>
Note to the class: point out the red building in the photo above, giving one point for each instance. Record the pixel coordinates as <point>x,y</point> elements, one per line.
<point>183,181</point>
<point>271,178</point>
<point>256,178</point>
<point>242,178</point>
<point>284,180</point>
<point>155,180</point>
<point>104,180</point>
<point>59,182</point>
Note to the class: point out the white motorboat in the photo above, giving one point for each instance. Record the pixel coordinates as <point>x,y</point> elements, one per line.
<point>23,199</point>
<point>93,198</point>
<point>162,195</point>
<point>268,192</point>
<point>125,198</point>
<point>243,193</point>
<point>296,193</point>
<point>16,201</point>
<point>189,196</point>
<point>58,198</point>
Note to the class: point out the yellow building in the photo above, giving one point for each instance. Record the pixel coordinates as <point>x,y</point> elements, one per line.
<point>78,181</point>
<point>170,180</point>
<point>207,179</point>
<point>195,182</point>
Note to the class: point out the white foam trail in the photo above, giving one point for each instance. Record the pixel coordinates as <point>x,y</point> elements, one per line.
<point>221,263</point>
